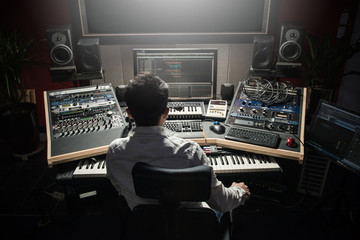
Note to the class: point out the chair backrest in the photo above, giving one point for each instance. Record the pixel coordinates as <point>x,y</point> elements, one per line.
<point>170,186</point>
<point>169,220</point>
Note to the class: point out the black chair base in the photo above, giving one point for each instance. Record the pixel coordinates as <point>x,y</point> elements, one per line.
<point>149,221</point>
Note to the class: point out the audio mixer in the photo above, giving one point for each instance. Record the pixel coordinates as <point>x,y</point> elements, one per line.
<point>82,118</point>
<point>186,128</point>
<point>268,108</point>
<point>185,119</point>
<point>282,116</point>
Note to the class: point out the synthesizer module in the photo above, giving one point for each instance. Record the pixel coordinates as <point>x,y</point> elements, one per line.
<point>269,108</point>
<point>185,119</point>
<point>83,118</point>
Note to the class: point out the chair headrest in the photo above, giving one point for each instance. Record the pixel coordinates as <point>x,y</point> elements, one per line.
<point>188,184</point>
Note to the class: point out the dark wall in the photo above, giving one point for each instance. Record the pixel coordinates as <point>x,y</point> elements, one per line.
<point>33,16</point>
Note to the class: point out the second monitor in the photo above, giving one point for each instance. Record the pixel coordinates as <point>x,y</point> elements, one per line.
<point>190,72</point>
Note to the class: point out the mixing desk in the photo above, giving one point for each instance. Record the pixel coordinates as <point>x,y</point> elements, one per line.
<point>82,122</point>
<point>80,119</point>
<point>185,128</point>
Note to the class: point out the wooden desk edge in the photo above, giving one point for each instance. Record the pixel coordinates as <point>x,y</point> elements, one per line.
<point>68,157</point>
<point>299,156</point>
<point>47,121</point>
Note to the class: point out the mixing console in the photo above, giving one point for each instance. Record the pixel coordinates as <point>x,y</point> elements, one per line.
<point>82,118</point>
<point>271,109</point>
<point>82,111</point>
<point>282,116</point>
<point>185,119</point>
<point>184,126</point>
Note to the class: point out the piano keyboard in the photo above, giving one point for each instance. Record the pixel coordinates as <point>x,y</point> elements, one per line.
<point>90,168</point>
<point>227,163</point>
<point>186,110</point>
<point>247,162</point>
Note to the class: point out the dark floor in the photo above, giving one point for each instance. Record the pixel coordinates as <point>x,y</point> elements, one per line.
<point>29,211</point>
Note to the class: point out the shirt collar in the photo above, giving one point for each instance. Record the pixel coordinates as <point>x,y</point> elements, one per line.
<point>151,130</point>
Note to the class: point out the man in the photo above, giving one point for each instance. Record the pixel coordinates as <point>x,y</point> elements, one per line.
<point>146,97</point>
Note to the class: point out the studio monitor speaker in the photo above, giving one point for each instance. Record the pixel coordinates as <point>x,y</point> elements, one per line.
<point>120,93</point>
<point>61,53</point>
<point>89,55</point>
<point>60,46</point>
<point>290,46</point>
<point>263,52</point>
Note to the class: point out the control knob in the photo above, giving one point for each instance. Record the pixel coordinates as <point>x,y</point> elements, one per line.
<point>291,142</point>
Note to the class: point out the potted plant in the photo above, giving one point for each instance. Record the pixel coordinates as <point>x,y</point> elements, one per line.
<point>324,61</point>
<point>18,118</point>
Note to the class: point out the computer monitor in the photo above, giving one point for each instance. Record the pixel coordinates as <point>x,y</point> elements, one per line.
<point>335,133</point>
<point>190,73</point>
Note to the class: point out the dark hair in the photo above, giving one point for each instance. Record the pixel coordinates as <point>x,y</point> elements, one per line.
<point>146,97</point>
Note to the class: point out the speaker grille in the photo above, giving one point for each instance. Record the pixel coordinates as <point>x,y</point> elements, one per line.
<point>89,61</point>
<point>89,54</point>
<point>61,54</point>
<point>60,46</point>
<point>290,51</point>
<point>290,43</point>
<point>263,52</point>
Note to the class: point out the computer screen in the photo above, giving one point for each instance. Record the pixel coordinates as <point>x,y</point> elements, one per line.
<point>190,73</point>
<point>335,132</point>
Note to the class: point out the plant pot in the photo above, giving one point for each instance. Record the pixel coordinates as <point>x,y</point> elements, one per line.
<point>19,127</point>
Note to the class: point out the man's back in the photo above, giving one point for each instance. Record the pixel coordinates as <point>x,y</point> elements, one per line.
<point>146,97</point>
<point>153,145</point>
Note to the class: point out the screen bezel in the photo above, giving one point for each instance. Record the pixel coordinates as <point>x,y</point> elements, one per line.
<point>80,30</point>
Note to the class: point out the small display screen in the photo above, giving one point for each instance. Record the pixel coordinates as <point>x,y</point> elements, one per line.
<point>335,132</point>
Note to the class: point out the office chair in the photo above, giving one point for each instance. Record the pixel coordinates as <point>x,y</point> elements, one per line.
<point>169,219</point>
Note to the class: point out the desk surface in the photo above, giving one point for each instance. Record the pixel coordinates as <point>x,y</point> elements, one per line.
<point>211,139</point>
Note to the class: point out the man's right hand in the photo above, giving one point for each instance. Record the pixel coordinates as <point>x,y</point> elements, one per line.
<point>243,186</point>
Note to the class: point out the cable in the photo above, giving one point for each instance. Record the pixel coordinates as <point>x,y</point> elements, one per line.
<point>265,91</point>
<point>303,144</point>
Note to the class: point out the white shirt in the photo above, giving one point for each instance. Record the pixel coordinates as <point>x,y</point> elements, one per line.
<point>157,146</point>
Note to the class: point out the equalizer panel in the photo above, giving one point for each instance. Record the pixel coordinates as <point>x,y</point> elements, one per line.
<point>81,119</point>
<point>185,119</point>
<point>269,108</point>
<point>279,117</point>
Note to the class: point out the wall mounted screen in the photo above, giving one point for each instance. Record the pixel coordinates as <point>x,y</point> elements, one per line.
<point>153,18</point>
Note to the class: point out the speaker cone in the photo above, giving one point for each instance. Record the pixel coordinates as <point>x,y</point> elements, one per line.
<point>290,51</point>
<point>262,58</point>
<point>61,54</point>
<point>89,60</point>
